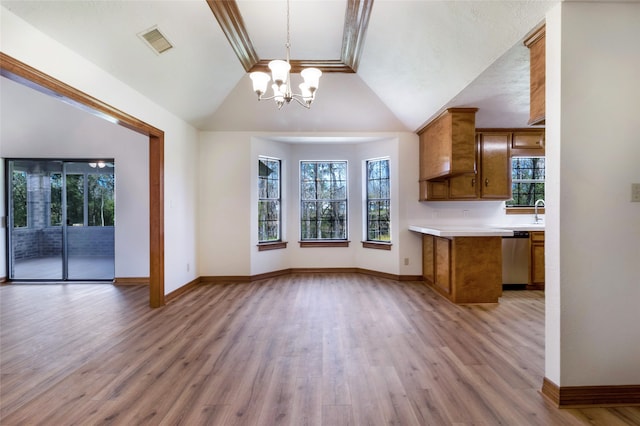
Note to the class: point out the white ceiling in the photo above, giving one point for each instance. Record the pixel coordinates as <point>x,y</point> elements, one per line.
<point>418,57</point>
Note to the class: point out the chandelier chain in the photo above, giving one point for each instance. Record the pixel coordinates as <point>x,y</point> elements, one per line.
<point>288,47</point>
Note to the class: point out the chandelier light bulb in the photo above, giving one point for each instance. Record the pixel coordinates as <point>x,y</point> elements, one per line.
<point>279,71</point>
<point>307,95</point>
<point>311,78</point>
<point>260,81</point>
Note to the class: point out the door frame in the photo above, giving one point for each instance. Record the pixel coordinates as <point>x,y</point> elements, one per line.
<point>22,73</point>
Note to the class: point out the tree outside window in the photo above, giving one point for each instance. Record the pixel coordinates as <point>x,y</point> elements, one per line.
<point>378,201</point>
<point>75,199</point>
<point>19,194</point>
<point>323,200</point>
<point>101,208</point>
<point>55,216</point>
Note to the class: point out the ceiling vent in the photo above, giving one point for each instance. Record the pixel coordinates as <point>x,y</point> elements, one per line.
<point>155,40</point>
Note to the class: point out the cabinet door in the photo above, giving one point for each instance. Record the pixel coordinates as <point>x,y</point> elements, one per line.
<point>428,259</point>
<point>463,187</point>
<point>537,58</point>
<point>495,180</point>
<point>537,260</point>
<point>528,140</point>
<point>448,144</point>
<point>443,264</point>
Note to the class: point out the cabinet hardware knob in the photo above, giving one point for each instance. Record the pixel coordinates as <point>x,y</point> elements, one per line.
<point>473,182</point>
<point>486,182</point>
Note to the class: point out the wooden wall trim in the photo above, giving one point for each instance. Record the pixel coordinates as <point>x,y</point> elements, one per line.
<point>594,396</point>
<point>273,274</point>
<point>131,281</point>
<point>22,73</point>
<point>181,291</point>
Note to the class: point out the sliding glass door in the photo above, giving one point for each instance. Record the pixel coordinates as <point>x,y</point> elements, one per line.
<point>61,220</point>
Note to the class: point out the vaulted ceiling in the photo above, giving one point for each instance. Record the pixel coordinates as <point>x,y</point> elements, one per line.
<point>389,65</point>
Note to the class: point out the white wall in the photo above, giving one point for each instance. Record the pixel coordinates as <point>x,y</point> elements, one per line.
<point>224,223</point>
<point>228,203</point>
<point>593,272</point>
<point>36,125</point>
<point>228,221</point>
<point>25,43</point>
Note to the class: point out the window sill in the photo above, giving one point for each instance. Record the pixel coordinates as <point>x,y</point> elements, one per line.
<point>378,245</point>
<point>272,246</point>
<point>324,243</point>
<point>523,210</point>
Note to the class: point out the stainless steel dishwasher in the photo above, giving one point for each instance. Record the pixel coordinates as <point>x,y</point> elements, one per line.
<point>515,258</point>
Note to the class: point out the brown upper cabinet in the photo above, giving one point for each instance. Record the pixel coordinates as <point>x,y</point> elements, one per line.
<point>536,44</point>
<point>491,178</point>
<point>447,145</point>
<point>528,143</point>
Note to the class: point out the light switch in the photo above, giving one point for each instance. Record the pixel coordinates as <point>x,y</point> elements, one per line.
<point>635,192</point>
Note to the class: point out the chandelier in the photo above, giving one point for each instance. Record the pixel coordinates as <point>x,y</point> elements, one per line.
<point>282,80</point>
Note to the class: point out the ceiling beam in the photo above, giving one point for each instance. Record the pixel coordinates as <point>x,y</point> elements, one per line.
<point>356,22</point>
<point>232,24</point>
<point>355,27</point>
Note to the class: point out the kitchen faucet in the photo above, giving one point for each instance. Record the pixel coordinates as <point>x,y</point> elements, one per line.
<point>535,207</point>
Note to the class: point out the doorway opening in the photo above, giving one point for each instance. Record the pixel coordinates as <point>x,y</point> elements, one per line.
<point>61,219</point>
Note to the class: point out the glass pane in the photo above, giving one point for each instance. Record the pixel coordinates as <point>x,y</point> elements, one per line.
<point>56,199</point>
<point>307,171</point>
<point>75,200</point>
<point>19,194</point>
<point>269,220</point>
<point>90,220</point>
<point>101,209</point>
<point>273,188</point>
<point>262,187</point>
<point>35,242</point>
<point>308,210</point>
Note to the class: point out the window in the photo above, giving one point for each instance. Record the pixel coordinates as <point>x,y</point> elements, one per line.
<point>269,201</point>
<point>378,201</point>
<point>19,194</point>
<point>323,200</point>
<point>527,174</point>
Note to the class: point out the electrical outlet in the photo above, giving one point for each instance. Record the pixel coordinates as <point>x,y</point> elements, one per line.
<point>406,261</point>
<point>635,192</point>
<point>188,267</point>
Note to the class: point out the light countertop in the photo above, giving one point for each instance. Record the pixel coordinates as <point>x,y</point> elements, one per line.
<point>462,231</point>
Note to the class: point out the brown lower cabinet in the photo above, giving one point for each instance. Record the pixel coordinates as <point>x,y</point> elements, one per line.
<point>536,263</point>
<point>463,269</point>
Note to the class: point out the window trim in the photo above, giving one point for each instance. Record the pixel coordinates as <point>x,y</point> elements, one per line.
<point>524,209</point>
<point>377,244</point>
<point>279,243</point>
<point>324,242</point>
<point>272,245</point>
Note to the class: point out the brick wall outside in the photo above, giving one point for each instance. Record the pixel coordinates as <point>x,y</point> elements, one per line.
<point>29,243</point>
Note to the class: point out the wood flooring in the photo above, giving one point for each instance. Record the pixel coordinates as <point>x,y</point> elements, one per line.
<point>305,349</point>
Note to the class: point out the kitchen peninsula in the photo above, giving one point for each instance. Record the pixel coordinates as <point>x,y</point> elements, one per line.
<point>463,263</point>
